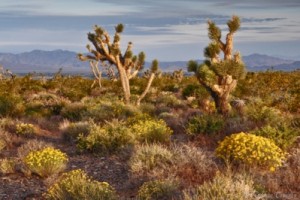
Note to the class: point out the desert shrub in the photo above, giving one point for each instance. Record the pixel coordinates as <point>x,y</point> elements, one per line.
<point>45,104</point>
<point>11,105</point>
<point>151,130</point>
<point>110,137</point>
<point>75,88</point>
<point>193,165</point>
<point>46,162</point>
<point>71,130</point>
<point>205,124</point>
<point>148,108</point>
<point>158,189</point>
<point>7,166</point>
<point>77,185</point>
<point>8,124</point>
<point>74,111</point>
<point>168,99</point>
<point>264,115</point>
<point>25,129</point>
<point>282,135</point>
<point>31,145</point>
<point>195,90</point>
<point>251,150</point>
<point>106,110</point>
<point>6,139</point>
<point>295,123</point>
<point>150,158</point>
<point>2,144</point>
<point>233,187</point>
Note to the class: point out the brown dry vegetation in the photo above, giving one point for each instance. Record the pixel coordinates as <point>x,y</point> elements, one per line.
<point>70,116</point>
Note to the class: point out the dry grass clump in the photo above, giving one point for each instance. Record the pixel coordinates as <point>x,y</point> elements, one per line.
<point>193,165</point>
<point>225,186</point>
<point>71,130</point>
<point>8,124</point>
<point>151,159</point>
<point>7,139</point>
<point>283,183</point>
<point>7,166</point>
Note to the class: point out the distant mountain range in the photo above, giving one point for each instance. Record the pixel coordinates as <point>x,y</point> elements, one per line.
<point>51,61</point>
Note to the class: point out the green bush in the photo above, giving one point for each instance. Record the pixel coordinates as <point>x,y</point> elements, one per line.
<point>205,124</point>
<point>158,189</point>
<point>282,135</point>
<point>45,104</point>
<point>106,110</point>
<point>168,99</point>
<point>151,130</point>
<point>195,90</point>
<point>74,111</point>
<point>150,158</point>
<point>233,187</point>
<point>110,137</point>
<point>46,162</point>
<point>77,185</point>
<point>11,105</point>
<point>251,150</point>
<point>264,115</point>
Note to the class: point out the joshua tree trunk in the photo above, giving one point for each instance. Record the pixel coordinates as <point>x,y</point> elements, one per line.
<point>138,102</point>
<point>97,73</point>
<point>125,84</point>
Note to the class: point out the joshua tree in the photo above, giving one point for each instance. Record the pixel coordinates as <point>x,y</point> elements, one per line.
<point>109,53</point>
<point>220,76</point>
<point>178,75</point>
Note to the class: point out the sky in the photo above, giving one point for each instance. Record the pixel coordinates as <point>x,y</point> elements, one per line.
<point>168,30</point>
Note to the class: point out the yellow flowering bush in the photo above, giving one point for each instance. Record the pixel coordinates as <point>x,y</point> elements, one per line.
<point>25,129</point>
<point>77,185</point>
<point>152,130</point>
<point>46,162</point>
<point>108,138</point>
<point>251,149</point>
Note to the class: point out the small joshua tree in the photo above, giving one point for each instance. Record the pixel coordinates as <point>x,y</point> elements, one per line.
<point>178,75</point>
<point>109,53</point>
<point>220,76</point>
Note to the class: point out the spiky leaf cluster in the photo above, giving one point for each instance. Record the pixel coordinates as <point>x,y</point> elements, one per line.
<point>229,67</point>
<point>212,50</point>
<point>214,32</point>
<point>234,24</point>
<point>154,66</point>
<point>102,49</point>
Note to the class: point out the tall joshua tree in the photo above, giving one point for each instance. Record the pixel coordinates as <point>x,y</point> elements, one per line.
<point>220,76</point>
<point>109,53</point>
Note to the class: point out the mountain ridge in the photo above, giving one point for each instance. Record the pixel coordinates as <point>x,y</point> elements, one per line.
<point>51,61</point>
